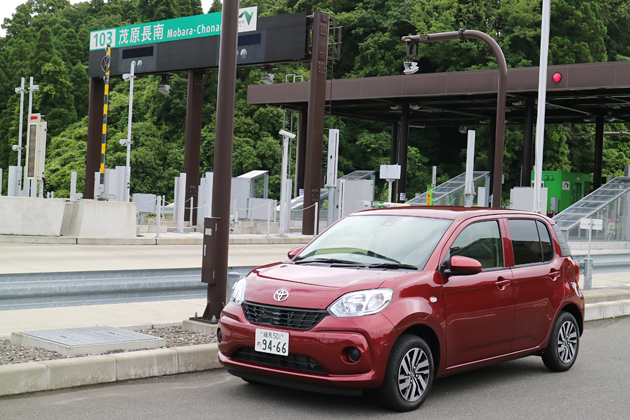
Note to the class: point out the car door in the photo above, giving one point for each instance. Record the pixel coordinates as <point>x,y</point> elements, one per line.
<point>479,307</point>
<point>537,288</point>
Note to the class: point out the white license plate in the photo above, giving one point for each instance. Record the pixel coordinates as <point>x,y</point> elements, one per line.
<point>274,342</point>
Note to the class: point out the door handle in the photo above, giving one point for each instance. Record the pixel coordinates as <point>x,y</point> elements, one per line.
<point>502,283</point>
<point>554,274</point>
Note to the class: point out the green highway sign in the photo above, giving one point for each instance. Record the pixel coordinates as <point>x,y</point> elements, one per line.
<point>170,30</point>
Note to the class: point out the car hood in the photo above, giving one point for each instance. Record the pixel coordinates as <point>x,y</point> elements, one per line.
<point>312,286</point>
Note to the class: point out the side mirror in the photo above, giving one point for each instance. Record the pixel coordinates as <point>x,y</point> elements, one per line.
<point>462,266</point>
<point>292,253</point>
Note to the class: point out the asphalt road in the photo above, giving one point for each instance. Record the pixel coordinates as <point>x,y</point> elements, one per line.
<point>597,387</point>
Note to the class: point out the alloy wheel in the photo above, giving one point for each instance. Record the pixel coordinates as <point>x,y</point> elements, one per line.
<point>567,342</point>
<point>413,374</point>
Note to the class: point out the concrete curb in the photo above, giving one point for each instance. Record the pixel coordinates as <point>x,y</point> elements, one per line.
<point>610,309</point>
<point>66,373</point>
<point>90,370</point>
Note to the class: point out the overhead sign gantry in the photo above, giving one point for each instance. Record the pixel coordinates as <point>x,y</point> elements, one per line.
<point>186,44</point>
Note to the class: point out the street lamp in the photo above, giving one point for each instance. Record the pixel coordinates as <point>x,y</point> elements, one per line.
<point>127,142</point>
<point>412,50</point>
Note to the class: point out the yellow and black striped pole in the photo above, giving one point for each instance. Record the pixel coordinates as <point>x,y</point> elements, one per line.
<point>105,109</point>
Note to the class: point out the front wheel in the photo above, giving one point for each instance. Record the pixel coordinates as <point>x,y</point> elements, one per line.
<point>409,374</point>
<point>564,344</point>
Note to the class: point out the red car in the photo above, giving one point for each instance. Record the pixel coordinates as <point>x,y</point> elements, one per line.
<point>392,298</point>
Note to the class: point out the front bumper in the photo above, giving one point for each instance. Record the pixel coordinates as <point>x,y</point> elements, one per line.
<point>325,345</point>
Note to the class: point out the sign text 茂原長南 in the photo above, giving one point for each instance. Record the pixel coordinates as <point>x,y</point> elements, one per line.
<point>170,30</point>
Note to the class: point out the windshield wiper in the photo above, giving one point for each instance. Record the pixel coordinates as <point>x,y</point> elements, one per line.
<point>328,261</point>
<point>393,266</point>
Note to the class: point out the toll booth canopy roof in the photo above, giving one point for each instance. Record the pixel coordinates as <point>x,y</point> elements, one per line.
<point>469,97</point>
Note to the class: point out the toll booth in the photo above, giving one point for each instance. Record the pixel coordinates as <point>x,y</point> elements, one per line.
<point>564,189</point>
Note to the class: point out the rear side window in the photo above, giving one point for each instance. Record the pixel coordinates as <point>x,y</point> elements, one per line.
<point>545,241</point>
<point>562,240</point>
<point>530,241</point>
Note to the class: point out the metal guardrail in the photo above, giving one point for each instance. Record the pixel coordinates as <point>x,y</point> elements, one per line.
<point>606,263</point>
<point>45,290</point>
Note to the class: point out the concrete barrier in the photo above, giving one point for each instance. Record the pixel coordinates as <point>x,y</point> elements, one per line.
<point>23,377</point>
<point>31,216</point>
<point>99,219</point>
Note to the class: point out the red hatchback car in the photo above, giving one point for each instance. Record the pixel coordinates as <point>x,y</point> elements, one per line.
<point>392,298</point>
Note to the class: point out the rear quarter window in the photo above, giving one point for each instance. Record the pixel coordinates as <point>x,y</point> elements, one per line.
<point>562,240</point>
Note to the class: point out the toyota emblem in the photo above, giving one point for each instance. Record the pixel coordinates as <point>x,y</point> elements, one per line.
<point>280,295</point>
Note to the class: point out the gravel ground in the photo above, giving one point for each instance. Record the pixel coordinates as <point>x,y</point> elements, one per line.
<point>175,337</point>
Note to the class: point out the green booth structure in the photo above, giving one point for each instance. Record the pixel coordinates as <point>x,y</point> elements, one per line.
<point>564,189</point>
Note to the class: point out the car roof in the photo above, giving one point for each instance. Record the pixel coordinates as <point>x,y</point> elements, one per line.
<point>441,212</point>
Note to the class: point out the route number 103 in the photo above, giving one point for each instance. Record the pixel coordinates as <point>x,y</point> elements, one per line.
<point>101,39</point>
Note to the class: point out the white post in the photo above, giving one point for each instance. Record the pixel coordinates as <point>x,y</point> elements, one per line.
<point>192,206</point>
<point>268,217</point>
<point>316,219</point>
<point>0,181</point>
<point>434,176</point>
<point>287,220</point>
<point>588,275</point>
<point>157,216</point>
<point>389,190</point>
<point>283,186</point>
<point>542,99</point>
<point>469,188</point>
<point>21,91</point>
<point>32,88</point>
<point>128,160</point>
<point>181,202</point>
<point>73,185</point>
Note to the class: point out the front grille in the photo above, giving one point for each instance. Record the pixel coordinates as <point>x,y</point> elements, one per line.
<point>292,361</point>
<point>278,316</point>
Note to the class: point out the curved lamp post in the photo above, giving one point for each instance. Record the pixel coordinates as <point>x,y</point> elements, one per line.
<point>500,119</point>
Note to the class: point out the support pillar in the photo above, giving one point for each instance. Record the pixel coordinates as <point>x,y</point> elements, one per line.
<point>95,134</point>
<point>316,114</point>
<point>192,148</point>
<point>300,153</point>
<point>403,142</point>
<point>528,129</point>
<point>223,146</point>
<point>393,154</point>
<point>599,152</point>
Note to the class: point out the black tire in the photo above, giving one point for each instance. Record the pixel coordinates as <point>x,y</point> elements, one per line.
<point>408,393</point>
<point>564,343</point>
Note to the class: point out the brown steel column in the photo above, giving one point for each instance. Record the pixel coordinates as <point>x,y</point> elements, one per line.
<point>393,153</point>
<point>223,144</point>
<point>528,144</point>
<point>316,109</point>
<point>192,148</point>
<point>599,152</point>
<point>300,153</point>
<point>95,134</point>
<point>403,142</point>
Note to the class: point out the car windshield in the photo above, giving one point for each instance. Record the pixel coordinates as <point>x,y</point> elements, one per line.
<point>371,240</point>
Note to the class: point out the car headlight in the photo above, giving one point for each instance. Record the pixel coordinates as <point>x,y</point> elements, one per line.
<point>364,302</point>
<point>238,292</point>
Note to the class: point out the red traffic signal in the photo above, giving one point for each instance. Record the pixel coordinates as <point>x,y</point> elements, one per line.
<point>557,77</point>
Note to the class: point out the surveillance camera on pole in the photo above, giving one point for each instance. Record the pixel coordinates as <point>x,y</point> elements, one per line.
<point>285,133</point>
<point>411,67</point>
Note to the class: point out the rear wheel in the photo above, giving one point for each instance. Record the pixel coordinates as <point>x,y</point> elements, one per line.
<point>564,344</point>
<point>409,374</point>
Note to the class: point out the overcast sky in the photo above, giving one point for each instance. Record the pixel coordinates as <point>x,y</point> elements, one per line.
<point>7,8</point>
